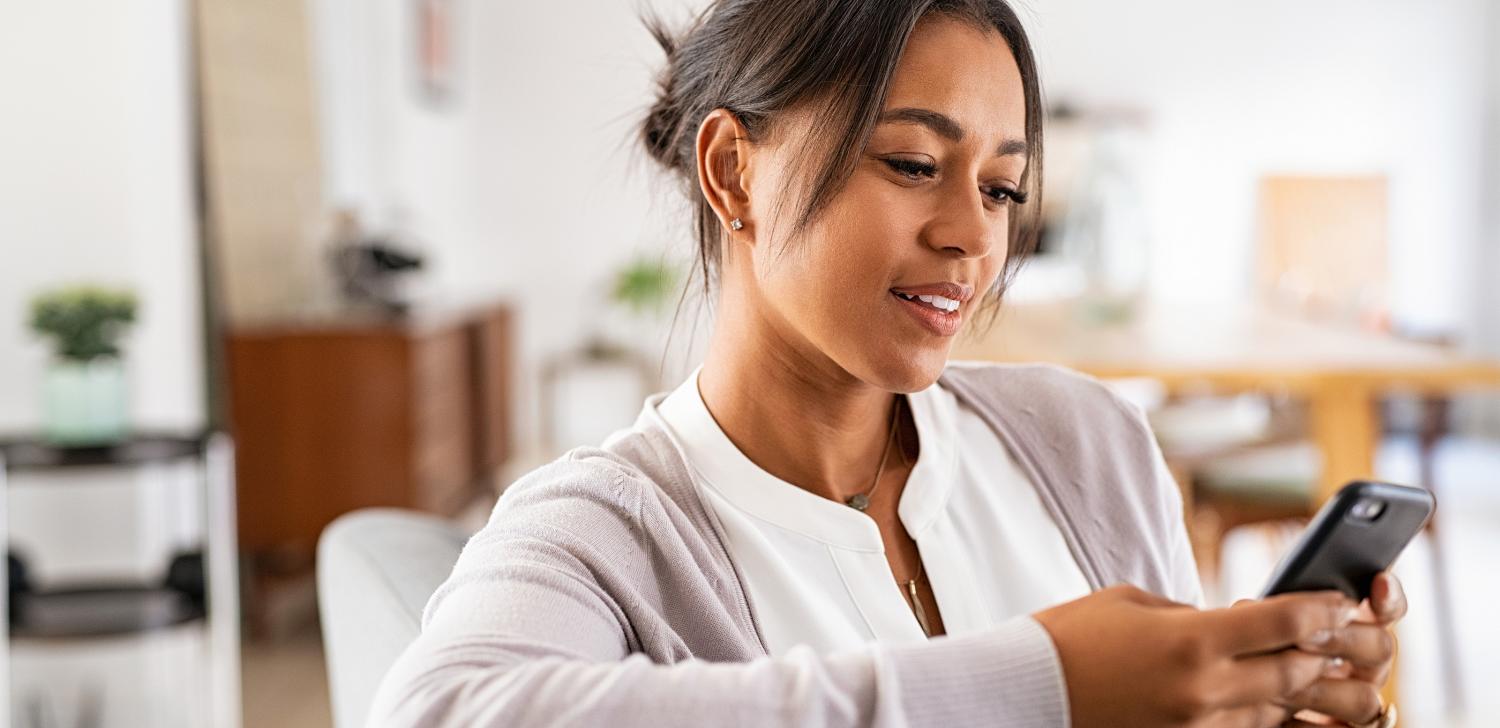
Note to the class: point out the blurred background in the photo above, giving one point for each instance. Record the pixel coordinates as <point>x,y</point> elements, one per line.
<point>268,262</point>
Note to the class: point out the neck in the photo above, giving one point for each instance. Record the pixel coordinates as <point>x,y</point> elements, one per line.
<point>799,417</point>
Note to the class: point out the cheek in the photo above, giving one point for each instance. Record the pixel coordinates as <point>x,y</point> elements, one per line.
<point>863,237</point>
<point>872,223</point>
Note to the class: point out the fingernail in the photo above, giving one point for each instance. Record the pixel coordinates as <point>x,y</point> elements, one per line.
<point>1333,666</point>
<point>1321,637</point>
<point>1349,615</point>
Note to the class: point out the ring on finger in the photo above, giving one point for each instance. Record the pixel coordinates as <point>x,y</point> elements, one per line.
<point>1386,719</point>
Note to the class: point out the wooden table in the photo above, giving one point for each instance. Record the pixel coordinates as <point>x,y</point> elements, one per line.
<point>1340,371</point>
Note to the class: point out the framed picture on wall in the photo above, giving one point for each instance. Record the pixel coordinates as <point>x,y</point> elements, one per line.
<point>434,50</point>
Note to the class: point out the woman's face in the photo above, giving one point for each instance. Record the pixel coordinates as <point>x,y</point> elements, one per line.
<point>927,204</point>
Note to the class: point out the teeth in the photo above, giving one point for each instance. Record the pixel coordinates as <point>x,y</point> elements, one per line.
<point>937,302</point>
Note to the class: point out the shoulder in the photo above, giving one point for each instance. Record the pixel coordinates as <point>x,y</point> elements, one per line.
<point>1074,426</point>
<point>584,478</point>
<point>632,480</point>
<point>1048,391</point>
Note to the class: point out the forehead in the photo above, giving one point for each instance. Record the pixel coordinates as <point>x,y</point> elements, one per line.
<point>966,72</point>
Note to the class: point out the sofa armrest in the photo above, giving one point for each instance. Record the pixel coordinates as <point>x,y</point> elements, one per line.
<point>377,567</point>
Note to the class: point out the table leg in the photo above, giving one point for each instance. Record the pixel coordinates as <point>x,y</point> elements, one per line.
<point>1345,424</point>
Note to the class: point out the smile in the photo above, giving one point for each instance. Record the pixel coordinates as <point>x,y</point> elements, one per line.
<point>936,314</point>
<point>938,302</point>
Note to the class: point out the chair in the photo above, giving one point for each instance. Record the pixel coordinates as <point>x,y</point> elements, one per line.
<point>377,567</point>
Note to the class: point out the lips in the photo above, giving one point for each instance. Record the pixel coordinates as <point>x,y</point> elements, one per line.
<point>938,308</point>
<point>960,292</point>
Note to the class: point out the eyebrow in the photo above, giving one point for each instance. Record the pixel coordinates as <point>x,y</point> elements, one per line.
<point>945,127</point>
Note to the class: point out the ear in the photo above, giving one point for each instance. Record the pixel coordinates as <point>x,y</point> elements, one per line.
<point>724,150</point>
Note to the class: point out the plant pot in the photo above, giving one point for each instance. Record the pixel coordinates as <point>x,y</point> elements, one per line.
<point>84,401</point>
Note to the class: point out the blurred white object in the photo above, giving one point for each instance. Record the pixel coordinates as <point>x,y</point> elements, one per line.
<point>1104,228</point>
<point>1143,392</point>
<point>1212,423</point>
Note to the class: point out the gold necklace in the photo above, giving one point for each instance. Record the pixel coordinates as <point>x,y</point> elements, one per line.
<point>861,501</point>
<point>916,604</point>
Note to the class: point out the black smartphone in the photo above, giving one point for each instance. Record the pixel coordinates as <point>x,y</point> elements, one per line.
<point>1357,534</point>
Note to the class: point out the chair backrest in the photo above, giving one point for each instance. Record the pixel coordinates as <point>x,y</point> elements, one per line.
<point>377,568</point>
<point>1323,246</point>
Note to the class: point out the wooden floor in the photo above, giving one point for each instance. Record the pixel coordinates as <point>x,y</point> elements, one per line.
<point>285,684</point>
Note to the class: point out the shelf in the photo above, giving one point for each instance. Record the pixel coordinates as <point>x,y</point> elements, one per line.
<point>24,454</point>
<point>104,611</point>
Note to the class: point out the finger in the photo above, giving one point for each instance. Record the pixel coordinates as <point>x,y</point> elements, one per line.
<point>1279,621</point>
<point>1270,678</point>
<point>1387,598</point>
<point>1363,645</point>
<point>1351,701</point>
<point>1376,675</point>
<point>1264,715</point>
<point>1308,717</point>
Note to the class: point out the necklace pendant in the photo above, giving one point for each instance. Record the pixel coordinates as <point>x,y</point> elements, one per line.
<point>858,501</point>
<point>916,607</point>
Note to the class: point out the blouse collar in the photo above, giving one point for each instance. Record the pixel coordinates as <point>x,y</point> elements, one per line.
<point>720,466</point>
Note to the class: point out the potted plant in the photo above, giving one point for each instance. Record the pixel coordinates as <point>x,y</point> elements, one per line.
<point>591,390</point>
<point>637,298</point>
<point>84,392</point>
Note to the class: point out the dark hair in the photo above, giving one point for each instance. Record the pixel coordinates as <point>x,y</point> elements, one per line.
<point>756,58</point>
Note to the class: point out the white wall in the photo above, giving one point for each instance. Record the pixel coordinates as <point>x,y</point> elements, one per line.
<point>386,153</point>
<point>527,185</point>
<point>1237,90</point>
<point>1486,314</point>
<point>531,185</point>
<point>95,186</point>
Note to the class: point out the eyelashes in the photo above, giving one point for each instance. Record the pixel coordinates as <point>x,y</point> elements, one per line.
<point>913,169</point>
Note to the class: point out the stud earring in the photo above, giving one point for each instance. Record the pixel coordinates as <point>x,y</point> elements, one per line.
<point>735,224</point>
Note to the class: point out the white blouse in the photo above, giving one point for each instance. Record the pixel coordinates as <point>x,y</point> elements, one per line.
<point>815,570</point>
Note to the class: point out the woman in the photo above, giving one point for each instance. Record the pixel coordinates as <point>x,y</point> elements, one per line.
<point>828,524</point>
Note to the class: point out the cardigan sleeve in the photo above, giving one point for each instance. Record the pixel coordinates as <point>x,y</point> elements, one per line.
<point>1184,583</point>
<point>531,629</point>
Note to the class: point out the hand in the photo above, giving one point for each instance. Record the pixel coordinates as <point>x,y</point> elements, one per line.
<point>1132,658</point>
<point>1366,650</point>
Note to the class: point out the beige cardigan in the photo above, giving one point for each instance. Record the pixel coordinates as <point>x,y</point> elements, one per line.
<point>600,592</point>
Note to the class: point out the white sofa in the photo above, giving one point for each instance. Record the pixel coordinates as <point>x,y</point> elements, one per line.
<point>376,569</point>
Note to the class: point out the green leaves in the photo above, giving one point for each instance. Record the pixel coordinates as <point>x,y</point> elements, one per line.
<point>644,286</point>
<point>83,321</point>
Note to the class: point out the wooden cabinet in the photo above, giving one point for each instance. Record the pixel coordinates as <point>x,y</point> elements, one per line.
<point>337,415</point>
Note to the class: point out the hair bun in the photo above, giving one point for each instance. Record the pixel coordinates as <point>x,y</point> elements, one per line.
<point>660,129</point>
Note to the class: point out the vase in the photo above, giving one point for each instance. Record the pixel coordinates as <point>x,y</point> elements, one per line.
<point>84,401</point>
<point>1105,229</point>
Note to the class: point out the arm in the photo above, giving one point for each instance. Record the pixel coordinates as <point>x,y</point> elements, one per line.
<point>539,624</point>
<point>1185,585</point>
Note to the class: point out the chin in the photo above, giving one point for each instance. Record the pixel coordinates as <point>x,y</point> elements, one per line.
<point>908,374</point>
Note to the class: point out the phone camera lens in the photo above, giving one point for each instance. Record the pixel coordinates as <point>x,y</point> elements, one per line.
<point>1368,509</point>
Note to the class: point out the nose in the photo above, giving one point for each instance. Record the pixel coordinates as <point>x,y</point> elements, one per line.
<point>962,225</point>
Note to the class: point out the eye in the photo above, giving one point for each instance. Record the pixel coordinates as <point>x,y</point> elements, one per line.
<point>1002,194</point>
<point>911,168</point>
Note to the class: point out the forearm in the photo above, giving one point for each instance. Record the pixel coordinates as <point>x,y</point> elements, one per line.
<point>1007,677</point>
